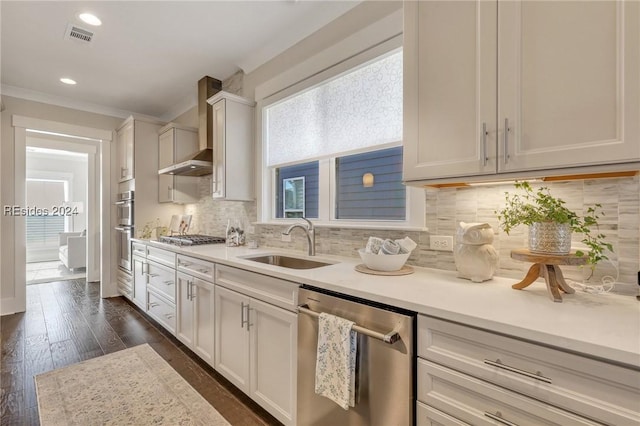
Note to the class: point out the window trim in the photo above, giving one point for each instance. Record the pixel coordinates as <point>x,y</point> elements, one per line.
<point>266,181</point>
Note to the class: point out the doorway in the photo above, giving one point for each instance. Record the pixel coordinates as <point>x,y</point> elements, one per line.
<point>56,234</point>
<point>96,145</point>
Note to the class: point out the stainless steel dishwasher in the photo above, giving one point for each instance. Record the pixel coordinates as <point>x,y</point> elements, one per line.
<point>385,384</point>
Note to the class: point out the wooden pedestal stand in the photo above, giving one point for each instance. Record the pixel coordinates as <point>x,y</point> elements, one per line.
<point>547,267</point>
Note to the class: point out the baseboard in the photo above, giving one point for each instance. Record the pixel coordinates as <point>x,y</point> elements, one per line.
<point>8,306</point>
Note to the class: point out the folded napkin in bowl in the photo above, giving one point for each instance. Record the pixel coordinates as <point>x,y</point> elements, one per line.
<point>389,247</point>
<point>406,245</point>
<point>373,245</point>
<point>377,245</point>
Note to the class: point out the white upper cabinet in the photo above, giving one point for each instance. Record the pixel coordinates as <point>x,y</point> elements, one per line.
<point>449,89</point>
<point>562,77</point>
<point>233,147</point>
<point>124,149</point>
<point>174,144</point>
<point>569,74</point>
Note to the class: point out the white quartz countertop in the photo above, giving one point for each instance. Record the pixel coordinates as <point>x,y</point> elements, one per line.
<point>605,326</point>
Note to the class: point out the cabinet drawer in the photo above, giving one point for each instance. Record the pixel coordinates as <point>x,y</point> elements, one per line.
<point>429,416</point>
<point>196,267</point>
<point>162,311</point>
<point>477,402</point>
<point>139,249</point>
<point>165,257</point>
<point>162,279</point>
<point>595,389</point>
<point>268,289</point>
<point>125,284</point>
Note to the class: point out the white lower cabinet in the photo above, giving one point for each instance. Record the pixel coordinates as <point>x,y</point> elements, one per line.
<point>161,310</point>
<point>256,349</point>
<point>139,269</point>
<point>195,304</point>
<point>125,284</point>
<point>479,377</point>
<point>232,337</point>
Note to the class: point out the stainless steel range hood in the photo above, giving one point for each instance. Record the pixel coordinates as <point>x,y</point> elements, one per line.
<point>199,163</point>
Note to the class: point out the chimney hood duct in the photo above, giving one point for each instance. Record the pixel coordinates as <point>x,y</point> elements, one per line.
<point>199,163</point>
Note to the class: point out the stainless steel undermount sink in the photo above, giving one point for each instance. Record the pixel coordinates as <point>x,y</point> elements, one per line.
<point>287,261</point>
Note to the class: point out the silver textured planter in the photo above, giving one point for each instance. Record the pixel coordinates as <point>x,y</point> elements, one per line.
<point>550,238</point>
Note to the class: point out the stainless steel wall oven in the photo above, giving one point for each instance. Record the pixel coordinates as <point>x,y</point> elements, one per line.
<point>124,229</point>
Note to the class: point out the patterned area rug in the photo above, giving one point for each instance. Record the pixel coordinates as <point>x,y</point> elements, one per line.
<point>134,386</point>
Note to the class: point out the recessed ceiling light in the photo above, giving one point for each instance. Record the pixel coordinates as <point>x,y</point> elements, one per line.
<point>66,80</point>
<point>90,19</point>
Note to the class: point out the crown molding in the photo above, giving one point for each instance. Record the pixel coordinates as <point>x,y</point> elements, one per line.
<point>35,96</point>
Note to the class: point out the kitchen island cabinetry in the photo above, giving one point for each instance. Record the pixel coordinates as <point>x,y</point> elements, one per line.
<point>174,144</point>
<point>494,377</point>
<point>196,306</point>
<point>497,89</point>
<point>256,341</point>
<point>233,161</point>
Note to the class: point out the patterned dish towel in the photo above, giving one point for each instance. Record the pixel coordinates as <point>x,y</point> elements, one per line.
<point>336,360</point>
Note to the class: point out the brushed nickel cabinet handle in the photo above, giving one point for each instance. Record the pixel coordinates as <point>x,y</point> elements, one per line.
<point>537,375</point>
<point>506,140</point>
<point>153,304</point>
<point>485,158</point>
<point>249,324</point>
<point>242,314</point>
<point>498,418</point>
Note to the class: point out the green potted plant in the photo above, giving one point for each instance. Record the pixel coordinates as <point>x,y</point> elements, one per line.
<point>551,223</point>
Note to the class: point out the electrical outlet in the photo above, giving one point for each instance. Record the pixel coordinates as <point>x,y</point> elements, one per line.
<point>441,242</point>
<point>286,238</point>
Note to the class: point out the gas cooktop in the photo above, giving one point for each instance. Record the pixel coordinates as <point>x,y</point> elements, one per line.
<point>191,239</point>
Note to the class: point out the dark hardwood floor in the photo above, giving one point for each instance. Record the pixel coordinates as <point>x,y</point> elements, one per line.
<point>67,322</point>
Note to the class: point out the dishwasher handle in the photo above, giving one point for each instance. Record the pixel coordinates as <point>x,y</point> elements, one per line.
<point>390,337</point>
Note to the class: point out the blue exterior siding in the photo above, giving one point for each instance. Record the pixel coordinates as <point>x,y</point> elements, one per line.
<point>385,200</point>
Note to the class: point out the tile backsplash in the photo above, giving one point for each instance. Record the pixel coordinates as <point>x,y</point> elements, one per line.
<point>445,207</point>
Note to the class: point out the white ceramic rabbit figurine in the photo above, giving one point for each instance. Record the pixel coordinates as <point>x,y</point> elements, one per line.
<point>475,257</point>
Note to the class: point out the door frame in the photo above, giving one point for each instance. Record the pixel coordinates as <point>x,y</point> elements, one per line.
<point>96,141</point>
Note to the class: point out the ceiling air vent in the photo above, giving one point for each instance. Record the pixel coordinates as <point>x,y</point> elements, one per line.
<point>76,33</point>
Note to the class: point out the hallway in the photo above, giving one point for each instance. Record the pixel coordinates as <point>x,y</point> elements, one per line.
<point>67,322</point>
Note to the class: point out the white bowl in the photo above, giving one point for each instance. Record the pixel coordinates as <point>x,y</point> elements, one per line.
<point>383,262</point>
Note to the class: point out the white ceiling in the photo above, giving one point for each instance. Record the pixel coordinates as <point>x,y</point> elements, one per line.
<point>147,56</point>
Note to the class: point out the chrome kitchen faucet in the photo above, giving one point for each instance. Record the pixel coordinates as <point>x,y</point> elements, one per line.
<point>309,231</point>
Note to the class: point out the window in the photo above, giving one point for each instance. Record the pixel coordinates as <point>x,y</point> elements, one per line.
<point>304,178</point>
<point>333,151</point>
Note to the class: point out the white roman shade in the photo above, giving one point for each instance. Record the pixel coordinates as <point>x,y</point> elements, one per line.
<point>359,109</point>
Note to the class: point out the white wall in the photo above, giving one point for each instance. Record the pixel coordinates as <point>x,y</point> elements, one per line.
<point>15,106</point>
